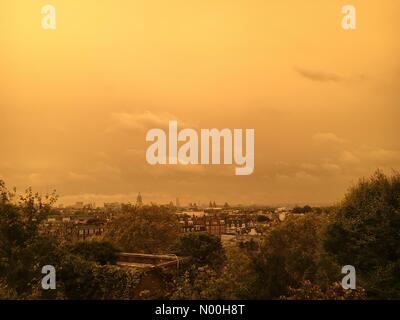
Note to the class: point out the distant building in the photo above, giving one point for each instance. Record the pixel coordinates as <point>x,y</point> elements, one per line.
<point>72,230</point>
<point>215,226</point>
<point>210,225</point>
<point>139,200</point>
<point>77,206</point>
<point>80,232</point>
<point>90,206</point>
<point>112,206</point>
<point>191,213</point>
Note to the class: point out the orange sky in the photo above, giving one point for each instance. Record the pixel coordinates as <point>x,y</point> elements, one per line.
<point>76,103</point>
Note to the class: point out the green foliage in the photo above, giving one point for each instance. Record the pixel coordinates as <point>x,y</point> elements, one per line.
<point>149,229</point>
<point>6,293</point>
<point>203,248</point>
<point>236,274</point>
<point>309,291</point>
<point>199,283</point>
<point>262,218</point>
<point>365,233</point>
<point>206,283</point>
<point>102,252</point>
<point>300,258</point>
<point>304,209</point>
<point>85,280</point>
<point>290,254</point>
<point>23,251</point>
<point>249,245</point>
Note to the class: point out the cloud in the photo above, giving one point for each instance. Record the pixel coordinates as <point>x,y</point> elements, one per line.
<point>318,76</point>
<point>138,120</point>
<point>297,178</point>
<point>331,168</point>
<point>73,176</point>
<point>327,137</point>
<point>348,157</point>
<point>35,178</point>
<point>142,120</point>
<point>105,170</point>
<point>308,166</point>
<point>304,176</point>
<point>384,156</point>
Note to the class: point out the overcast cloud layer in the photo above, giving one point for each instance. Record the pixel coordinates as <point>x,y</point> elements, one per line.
<point>76,103</point>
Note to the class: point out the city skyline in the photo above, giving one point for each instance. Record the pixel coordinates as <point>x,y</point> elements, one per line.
<point>189,203</point>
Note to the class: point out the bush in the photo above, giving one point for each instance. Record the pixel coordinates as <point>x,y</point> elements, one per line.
<point>291,254</point>
<point>229,282</point>
<point>102,252</point>
<point>24,250</point>
<point>365,233</point>
<point>309,291</point>
<point>84,280</point>
<point>203,248</point>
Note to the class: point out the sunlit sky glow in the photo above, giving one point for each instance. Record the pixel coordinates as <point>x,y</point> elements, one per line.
<point>76,103</point>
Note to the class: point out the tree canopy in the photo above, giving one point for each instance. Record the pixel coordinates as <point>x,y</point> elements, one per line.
<point>203,248</point>
<point>102,252</point>
<point>148,229</point>
<point>289,255</point>
<point>365,233</point>
<point>24,250</point>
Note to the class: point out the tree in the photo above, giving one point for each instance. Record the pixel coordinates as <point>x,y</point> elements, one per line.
<point>229,282</point>
<point>309,291</point>
<point>290,254</point>
<point>23,250</point>
<point>365,233</point>
<point>304,209</point>
<point>102,252</point>
<point>262,218</point>
<point>203,248</point>
<point>148,229</point>
<point>80,279</point>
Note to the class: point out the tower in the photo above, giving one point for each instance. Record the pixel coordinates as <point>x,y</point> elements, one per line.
<point>139,200</point>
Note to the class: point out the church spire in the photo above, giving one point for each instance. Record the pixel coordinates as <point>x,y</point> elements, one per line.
<point>139,200</point>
